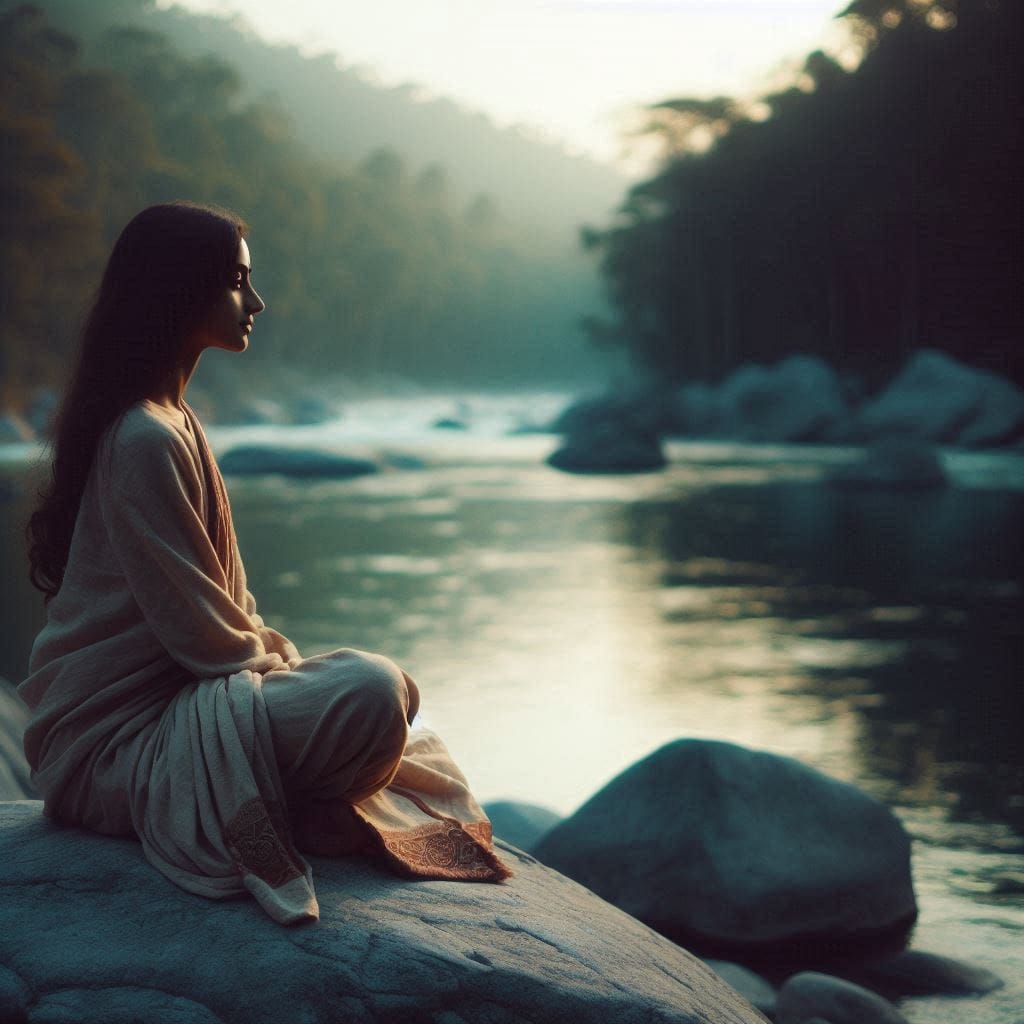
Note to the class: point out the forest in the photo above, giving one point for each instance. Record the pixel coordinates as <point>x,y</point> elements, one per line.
<point>373,266</point>
<point>855,215</point>
<point>867,209</point>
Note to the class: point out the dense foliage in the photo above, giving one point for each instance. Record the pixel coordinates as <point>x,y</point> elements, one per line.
<point>863,213</point>
<point>369,267</point>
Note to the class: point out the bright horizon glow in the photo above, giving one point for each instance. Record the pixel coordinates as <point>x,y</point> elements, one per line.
<point>574,71</point>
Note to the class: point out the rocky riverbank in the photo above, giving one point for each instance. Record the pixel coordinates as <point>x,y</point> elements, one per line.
<point>794,888</point>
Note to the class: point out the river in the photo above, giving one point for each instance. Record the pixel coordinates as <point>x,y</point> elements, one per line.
<point>561,627</point>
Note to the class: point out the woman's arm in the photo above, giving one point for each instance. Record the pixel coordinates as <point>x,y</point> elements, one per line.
<point>151,496</point>
<point>272,640</point>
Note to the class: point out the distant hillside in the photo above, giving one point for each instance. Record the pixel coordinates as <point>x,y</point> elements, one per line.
<point>382,262</point>
<point>338,113</point>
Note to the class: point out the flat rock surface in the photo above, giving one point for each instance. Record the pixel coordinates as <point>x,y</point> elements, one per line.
<point>90,933</point>
<point>742,854</point>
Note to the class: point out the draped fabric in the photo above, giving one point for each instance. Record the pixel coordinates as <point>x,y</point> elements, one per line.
<point>163,705</point>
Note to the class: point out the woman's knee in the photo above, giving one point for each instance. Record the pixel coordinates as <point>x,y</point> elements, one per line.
<point>383,690</point>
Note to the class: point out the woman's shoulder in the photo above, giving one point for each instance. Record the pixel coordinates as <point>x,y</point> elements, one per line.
<point>149,421</point>
<point>146,435</point>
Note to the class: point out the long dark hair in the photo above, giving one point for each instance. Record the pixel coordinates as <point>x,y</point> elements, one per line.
<point>165,270</point>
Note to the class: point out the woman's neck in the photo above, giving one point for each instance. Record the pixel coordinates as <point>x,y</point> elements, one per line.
<point>171,392</point>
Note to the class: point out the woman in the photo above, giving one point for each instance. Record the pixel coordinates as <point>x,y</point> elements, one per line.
<point>162,704</point>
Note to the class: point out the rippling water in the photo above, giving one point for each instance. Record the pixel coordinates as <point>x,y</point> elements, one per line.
<point>562,627</point>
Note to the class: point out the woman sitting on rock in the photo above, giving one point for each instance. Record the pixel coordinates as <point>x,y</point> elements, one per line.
<point>163,706</point>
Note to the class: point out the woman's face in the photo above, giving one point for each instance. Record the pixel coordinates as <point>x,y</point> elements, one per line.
<point>229,321</point>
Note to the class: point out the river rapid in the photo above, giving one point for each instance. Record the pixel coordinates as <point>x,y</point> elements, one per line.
<point>561,627</point>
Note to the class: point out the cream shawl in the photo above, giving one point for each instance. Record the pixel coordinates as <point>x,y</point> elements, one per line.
<point>148,711</point>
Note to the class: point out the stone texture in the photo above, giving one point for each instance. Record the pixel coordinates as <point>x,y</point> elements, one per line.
<point>14,777</point>
<point>808,996</point>
<point>92,934</point>
<point>743,855</point>
<point>519,823</point>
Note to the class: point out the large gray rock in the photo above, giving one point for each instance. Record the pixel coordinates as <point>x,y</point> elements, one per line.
<point>519,823</point>
<point>15,783</point>
<point>935,398</point>
<point>744,855</point>
<point>797,399</point>
<point>93,935</point>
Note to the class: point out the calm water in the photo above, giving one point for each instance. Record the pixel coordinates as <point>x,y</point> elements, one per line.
<point>562,627</point>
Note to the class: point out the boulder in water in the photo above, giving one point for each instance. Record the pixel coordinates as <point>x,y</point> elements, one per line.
<point>935,398</point>
<point>253,460</point>
<point>519,823</point>
<point>798,399</point>
<point>609,448</point>
<point>744,855</point>
<point>812,996</point>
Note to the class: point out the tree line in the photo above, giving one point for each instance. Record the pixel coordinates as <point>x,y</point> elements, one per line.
<point>370,267</point>
<point>857,214</point>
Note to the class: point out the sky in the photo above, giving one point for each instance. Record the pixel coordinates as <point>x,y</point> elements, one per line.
<point>572,70</point>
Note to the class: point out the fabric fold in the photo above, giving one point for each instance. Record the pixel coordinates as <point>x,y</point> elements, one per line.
<point>163,705</point>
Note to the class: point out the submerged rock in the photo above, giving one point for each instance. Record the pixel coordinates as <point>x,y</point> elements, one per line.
<point>520,824</point>
<point>744,855</point>
<point>812,996</point>
<point>93,935</point>
<point>15,783</point>
<point>252,460</point>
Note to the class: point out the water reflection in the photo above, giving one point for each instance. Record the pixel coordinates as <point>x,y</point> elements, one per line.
<point>907,606</point>
<point>874,635</point>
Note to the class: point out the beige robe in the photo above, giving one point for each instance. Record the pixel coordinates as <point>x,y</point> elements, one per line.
<point>164,706</point>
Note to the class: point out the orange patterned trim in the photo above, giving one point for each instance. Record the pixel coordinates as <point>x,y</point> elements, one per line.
<point>257,838</point>
<point>445,850</point>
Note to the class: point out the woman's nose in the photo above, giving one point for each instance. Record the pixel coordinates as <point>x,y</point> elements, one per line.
<point>255,304</point>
